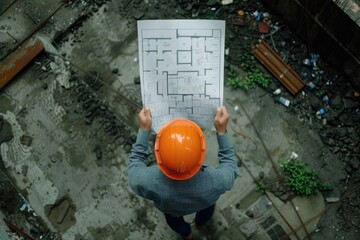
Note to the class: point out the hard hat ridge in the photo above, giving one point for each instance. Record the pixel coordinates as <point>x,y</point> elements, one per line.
<point>180,149</point>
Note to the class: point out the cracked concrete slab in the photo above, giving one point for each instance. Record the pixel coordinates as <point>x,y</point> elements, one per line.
<point>79,104</point>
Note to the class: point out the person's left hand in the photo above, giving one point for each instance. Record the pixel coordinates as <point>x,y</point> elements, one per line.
<point>145,119</point>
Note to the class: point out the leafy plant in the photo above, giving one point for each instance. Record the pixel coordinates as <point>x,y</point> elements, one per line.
<point>246,58</point>
<point>232,77</point>
<point>301,179</point>
<point>252,75</point>
<point>262,186</point>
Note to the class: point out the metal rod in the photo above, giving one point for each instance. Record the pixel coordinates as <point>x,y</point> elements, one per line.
<point>32,33</point>
<point>7,7</point>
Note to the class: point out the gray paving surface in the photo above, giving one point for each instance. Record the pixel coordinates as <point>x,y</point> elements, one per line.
<point>63,163</point>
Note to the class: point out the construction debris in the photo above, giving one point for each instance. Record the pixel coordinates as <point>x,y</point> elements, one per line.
<point>282,71</point>
<point>22,57</point>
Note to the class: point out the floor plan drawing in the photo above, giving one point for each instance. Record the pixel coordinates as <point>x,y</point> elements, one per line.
<point>181,69</point>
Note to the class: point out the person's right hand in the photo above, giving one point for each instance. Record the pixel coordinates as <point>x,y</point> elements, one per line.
<point>145,119</point>
<point>221,120</point>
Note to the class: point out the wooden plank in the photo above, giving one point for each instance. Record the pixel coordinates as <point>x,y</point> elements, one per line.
<point>22,57</point>
<point>274,64</point>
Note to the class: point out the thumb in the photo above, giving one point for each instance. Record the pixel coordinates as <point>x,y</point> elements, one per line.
<point>218,112</point>
<point>146,111</point>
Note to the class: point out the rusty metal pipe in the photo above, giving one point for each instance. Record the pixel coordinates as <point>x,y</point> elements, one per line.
<point>19,60</point>
<point>32,33</point>
<point>291,71</point>
<point>275,71</point>
<point>283,72</point>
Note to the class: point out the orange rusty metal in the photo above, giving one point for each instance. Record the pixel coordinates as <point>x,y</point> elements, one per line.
<point>19,60</point>
<point>283,72</point>
<point>16,229</point>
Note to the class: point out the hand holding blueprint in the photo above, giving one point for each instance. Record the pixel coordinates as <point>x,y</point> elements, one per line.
<point>181,69</point>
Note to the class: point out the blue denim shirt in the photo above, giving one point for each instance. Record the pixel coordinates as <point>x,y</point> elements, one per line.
<point>180,198</point>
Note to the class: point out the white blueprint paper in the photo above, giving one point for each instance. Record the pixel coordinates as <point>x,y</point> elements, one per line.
<point>181,69</point>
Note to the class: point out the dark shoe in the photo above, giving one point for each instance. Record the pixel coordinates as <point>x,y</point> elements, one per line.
<point>201,227</point>
<point>188,237</point>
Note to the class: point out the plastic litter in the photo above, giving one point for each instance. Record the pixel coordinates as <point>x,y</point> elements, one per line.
<point>320,113</point>
<point>284,101</point>
<point>294,155</point>
<point>277,91</point>
<point>326,99</point>
<point>311,85</point>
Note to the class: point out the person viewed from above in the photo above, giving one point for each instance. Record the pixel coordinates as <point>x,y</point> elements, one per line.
<point>180,184</point>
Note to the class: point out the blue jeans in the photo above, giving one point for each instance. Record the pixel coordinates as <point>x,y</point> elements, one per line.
<point>179,225</point>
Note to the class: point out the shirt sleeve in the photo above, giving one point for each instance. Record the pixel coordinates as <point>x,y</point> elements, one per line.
<point>137,165</point>
<point>227,161</point>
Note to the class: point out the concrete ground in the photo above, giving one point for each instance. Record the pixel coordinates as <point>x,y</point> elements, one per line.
<point>71,162</point>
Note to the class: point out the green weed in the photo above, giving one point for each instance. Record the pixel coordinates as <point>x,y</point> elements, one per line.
<point>251,76</point>
<point>262,186</point>
<point>301,179</point>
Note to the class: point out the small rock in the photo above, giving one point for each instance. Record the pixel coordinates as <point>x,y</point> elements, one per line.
<point>98,2</point>
<point>227,2</point>
<point>348,169</point>
<point>315,102</point>
<point>341,132</point>
<point>127,148</point>
<point>349,103</point>
<point>343,150</point>
<point>250,213</point>
<point>332,199</point>
<point>98,152</point>
<point>353,134</point>
<point>355,163</point>
<point>26,140</point>
<point>336,102</point>
<point>137,80</point>
<point>88,121</point>
<point>249,228</point>
<point>211,3</point>
<point>95,193</point>
<point>331,142</point>
<point>138,15</point>
<point>284,197</point>
<point>335,149</point>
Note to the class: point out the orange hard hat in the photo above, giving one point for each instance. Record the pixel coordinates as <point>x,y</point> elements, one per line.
<point>180,149</point>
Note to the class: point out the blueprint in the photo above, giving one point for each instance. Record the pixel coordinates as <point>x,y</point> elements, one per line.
<point>181,69</point>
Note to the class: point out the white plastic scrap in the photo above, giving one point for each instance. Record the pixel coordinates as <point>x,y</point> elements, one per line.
<point>226,2</point>
<point>294,155</point>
